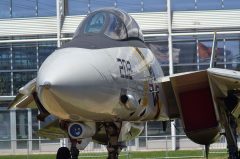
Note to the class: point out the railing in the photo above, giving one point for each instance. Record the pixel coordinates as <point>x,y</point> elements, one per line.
<point>142,145</point>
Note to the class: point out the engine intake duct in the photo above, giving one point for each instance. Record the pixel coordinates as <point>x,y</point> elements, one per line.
<point>196,107</point>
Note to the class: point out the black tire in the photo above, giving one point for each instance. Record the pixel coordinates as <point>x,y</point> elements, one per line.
<point>63,153</point>
<point>112,156</point>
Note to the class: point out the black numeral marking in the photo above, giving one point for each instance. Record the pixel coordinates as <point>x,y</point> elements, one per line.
<point>125,68</point>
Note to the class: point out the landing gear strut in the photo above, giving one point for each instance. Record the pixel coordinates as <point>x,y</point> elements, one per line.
<point>230,123</point>
<point>74,151</point>
<point>113,152</point>
<point>65,153</point>
<point>230,126</point>
<point>114,147</point>
<point>232,140</point>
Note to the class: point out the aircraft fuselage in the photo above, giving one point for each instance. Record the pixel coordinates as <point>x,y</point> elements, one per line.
<point>87,84</point>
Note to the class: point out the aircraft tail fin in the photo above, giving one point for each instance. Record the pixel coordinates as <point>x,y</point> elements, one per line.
<point>213,60</point>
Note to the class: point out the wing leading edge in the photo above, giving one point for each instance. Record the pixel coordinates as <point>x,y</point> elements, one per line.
<point>24,98</point>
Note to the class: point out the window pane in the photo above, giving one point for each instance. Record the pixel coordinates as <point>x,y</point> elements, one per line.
<point>130,6</point>
<point>35,128</point>
<point>185,68</point>
<point>5,59</point>
<point>116,29</point>
<point>165,70</point>
<point>205,51</point>
<point>77,7</point>
<point>183,5</point>
<point>44,51</point>
<point>142,139</point>
<point>154,5</point>
<point>95,24</point>
<point>23,8</point>
<point>185,52</point>
<point>179,127</point>
<point>209,4</point>
<point>46,8</point>
<point>96,4</point>
<point>155,128</point>
<point>5,132</point>
<point>5,83</point>
<point>203,66</point>
<point>24,58</point>
<point>4,8</point>
<point>47,121</point>
<point>22,128</point>
<point>4,104</point>
<point>160,50</point>
<point>142,142</point>
<point>231,4</point>
<point>21,78</point>
<point>233,54</point>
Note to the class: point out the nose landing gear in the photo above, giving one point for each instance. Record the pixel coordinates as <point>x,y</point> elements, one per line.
<point>76,132</point>
<point>65,153</point>
<point>114,150</point>
<point>114,147</point>
<point>74,151</point>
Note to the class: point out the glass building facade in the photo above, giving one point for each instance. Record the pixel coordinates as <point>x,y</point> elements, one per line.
<point>22,54</point>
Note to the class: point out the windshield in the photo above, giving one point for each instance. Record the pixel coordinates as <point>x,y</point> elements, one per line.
<point>116,28</point>
<point>113,23</point>
<point>96,23</point>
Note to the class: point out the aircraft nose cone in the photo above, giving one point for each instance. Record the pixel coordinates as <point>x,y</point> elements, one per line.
<point>68,73</point>
<point>75,82</point>
<point>67,67</point>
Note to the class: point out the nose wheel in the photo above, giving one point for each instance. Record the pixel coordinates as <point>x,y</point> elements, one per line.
<point>74,150</point>
<point>63,153</point>
<point>114,150</point>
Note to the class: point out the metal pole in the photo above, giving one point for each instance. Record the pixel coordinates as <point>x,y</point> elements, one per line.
<point>36,11</point>
<point>173,133</point>
<point>146,134</point>
<point>58,23</point>
<point>10,9</point>
<point>62,144</point>
<point>11,61</point>
<point>37,54</point>
<point>170,51</point>
<point>225,54</point>
<point>213,60</point>
<point>13,130</point>
<point>29,141</point>
<point>198,57</point>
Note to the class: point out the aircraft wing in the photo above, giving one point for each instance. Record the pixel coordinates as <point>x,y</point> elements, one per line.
<point>226,83</point>
<point>203,99</point>
<point>24,98</point>
<point>52,131</point>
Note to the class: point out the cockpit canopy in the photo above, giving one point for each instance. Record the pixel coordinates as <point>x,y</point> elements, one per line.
<point>111,22</point>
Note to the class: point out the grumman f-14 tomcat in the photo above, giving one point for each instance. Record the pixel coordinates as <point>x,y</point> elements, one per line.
<point>105,83</point>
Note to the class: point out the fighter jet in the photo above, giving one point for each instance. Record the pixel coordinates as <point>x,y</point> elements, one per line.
<point>105,83</point>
